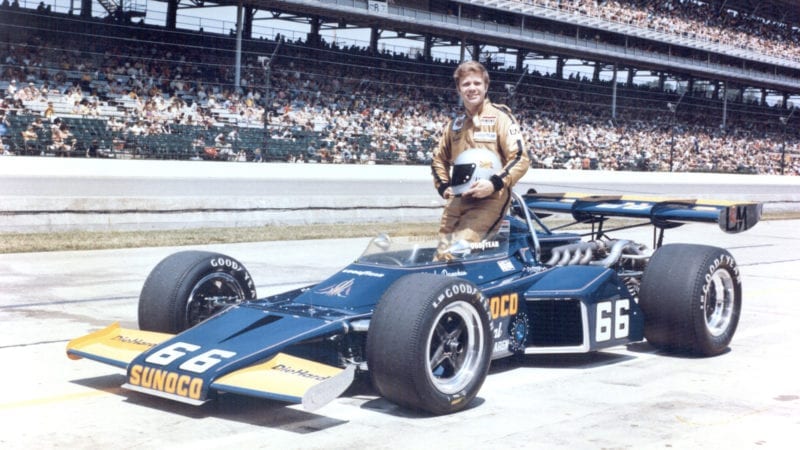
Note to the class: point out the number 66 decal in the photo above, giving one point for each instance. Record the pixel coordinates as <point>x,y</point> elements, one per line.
<point>197,364</point>
<point>612,316</point>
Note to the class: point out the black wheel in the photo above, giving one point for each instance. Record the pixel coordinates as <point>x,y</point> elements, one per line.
<point>691,297</point>
<point>188,287</point>
<point>429,343</point>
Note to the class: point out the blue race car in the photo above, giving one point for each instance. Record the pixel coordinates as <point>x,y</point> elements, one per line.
<point>425,330</point>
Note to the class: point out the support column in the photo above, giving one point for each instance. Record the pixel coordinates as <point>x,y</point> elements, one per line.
<point>249,13</point>
<point>521,55</point>
<point>172,14</point>
<point>86,9</point>
<point>427,50</point>
<point>614,93</point>
<point>374,37</point>
<point>313,39</point>
<point>598,67</point>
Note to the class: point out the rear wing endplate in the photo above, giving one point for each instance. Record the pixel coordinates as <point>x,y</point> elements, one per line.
<point>732,217</point>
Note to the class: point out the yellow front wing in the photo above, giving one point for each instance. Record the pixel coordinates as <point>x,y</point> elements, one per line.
<point>114,345</point>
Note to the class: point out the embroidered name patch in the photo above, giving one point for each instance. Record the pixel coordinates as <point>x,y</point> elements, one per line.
<point>485,136</point>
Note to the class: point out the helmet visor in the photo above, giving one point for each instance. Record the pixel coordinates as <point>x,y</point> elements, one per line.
<point>462,174</point>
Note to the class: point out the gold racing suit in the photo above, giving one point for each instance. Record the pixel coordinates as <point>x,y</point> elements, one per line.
<point>493,128</point>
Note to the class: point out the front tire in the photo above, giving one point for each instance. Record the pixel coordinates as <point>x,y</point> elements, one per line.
<point>691,297</point>
<point>188,287</point>
<point>429,343</point>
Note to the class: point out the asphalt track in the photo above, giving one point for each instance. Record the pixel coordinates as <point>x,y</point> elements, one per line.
<point>626,397</point>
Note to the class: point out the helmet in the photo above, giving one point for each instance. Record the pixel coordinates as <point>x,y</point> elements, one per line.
<point>473,165</point>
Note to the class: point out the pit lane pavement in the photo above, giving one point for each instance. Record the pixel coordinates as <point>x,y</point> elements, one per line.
<point>626,397</point>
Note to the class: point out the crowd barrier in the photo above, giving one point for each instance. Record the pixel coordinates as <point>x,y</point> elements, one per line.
<point>84,193</point>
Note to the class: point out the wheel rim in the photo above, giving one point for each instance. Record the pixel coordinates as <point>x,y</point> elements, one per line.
<point>720,302</point>
<point>455,348</point>
<point>210,295</point>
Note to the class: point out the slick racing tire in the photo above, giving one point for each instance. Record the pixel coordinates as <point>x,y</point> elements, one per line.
<point>188,287</point>
<point>691,297</point>
<point>429,343</point>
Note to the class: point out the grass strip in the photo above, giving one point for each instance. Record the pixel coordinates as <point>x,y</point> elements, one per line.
<point>99,240</point>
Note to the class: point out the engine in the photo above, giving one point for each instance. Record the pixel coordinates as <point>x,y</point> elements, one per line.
<point>628,258</point>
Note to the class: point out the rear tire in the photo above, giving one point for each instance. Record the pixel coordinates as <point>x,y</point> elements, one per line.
<point>691,297</point>
<point>429,343</point>
<point>188,287</point>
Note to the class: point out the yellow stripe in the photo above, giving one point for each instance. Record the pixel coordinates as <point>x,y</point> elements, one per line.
<point>58,398</point>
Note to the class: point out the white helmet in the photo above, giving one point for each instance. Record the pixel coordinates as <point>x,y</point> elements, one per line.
<point>473,165</point>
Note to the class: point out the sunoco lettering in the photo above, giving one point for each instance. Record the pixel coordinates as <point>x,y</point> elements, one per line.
<point>165,381</point>
<point>504,305</point>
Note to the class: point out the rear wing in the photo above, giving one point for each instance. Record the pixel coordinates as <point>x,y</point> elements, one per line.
<point>732,217</point>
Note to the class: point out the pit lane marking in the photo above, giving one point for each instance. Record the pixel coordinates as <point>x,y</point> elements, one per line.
<point>58,398</point>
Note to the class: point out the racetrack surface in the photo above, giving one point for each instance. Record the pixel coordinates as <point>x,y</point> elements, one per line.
<point>626,397</point>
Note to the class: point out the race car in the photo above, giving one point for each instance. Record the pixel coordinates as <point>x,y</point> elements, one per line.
<point>425,330</point>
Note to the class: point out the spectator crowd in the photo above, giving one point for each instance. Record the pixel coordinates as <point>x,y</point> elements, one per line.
<point>703,20</point>
<point>326,103</point>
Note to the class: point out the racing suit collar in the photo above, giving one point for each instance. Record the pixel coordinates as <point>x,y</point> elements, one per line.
<point>479,111</point>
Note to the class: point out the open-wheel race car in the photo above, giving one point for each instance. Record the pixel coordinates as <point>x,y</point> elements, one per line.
<point>426,330</point>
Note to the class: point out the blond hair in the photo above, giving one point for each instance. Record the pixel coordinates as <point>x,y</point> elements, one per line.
<point>469,67</point>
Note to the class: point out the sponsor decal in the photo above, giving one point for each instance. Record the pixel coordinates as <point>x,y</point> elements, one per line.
<point>505,227</point>
<point>500,346</point>
<point>456,289</point>
<point>484,136</point>
<point>488,120</point>
<point>483,245</point>
<point>340,290</point>
<point>534,269</point>
<point>456,273</point>
<point>299,372</point>
<point>506,265</point>
<point>458,123</point>
<point>133,340</point>
<point>504,305</point>
<point>627,206</point>
<point>364,273</point>
<point>715,265</point>
<point>225,262</point>
<point>166,381</point>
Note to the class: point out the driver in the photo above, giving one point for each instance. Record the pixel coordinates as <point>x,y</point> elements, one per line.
<point>476,204</point>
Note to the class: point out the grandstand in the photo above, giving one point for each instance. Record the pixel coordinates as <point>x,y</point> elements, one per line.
<point>653,88</point>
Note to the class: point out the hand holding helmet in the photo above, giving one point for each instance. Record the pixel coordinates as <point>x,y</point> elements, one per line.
<point>472,173</point>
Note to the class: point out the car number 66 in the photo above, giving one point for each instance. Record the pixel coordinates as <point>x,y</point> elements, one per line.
<point>197,364</point>
<point>612,316</point>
